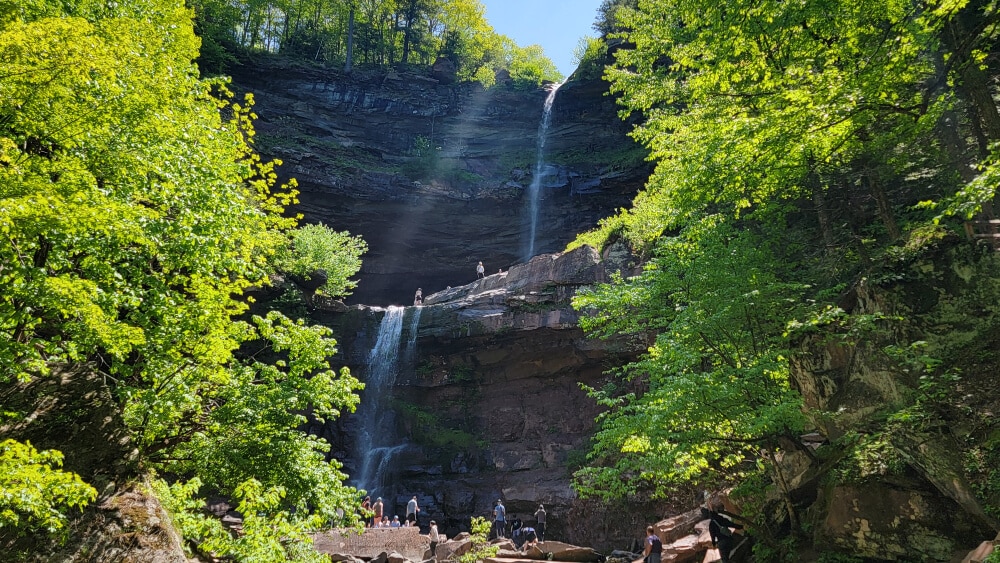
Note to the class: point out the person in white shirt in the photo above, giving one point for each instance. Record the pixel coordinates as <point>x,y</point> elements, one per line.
<point>435,538</point>
<point>411,511</point>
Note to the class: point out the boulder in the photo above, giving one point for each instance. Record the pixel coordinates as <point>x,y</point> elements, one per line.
<point>979,554</point>
<point>684,550</point>
<point>677,527</point>
<point>505,544</point>
<point>562,552</point>
<point>444,70</point>
<point>454,549</point>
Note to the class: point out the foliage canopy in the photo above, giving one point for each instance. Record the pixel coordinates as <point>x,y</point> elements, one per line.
<point>798,147</point>
<point>133,215</point>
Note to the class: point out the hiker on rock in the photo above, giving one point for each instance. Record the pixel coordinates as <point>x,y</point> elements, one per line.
<point>719,528</point>
<point>366,511</point>
<point>540,522</point>
<point>654,547</point>
<point>530,538</point>
<point>377,509</point>
<point>411,511</point>
<point>480,271</point>
<point>435,538</point>
<point>418,297</point>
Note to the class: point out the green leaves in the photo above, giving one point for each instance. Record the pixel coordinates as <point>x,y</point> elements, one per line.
<point>34,493</point>
<point>480,531</point>
<point>716,377</point>
<point>317,249</point>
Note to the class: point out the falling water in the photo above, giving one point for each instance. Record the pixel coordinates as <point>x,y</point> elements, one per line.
<point>375,443</point>
<point>536,180</point>
<point>411,340</point>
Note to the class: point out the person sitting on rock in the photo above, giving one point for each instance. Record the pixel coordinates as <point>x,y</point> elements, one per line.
<point>529,537</point>
<point>395,522</point>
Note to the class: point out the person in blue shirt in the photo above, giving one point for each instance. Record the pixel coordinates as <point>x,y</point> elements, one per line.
<point>500,519</point>
<point>395,522</point>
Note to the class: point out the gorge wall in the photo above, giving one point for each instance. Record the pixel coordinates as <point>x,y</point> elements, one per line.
<point>489,403</point>
<point>433,175</point>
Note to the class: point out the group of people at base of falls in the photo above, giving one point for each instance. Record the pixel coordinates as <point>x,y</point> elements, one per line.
<point>375,516</point>
<point>719,528</point>
<point>418,297</point>
<point>522,536</point>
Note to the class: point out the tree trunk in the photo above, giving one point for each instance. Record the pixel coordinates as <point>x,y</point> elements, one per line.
<point>822,211</point>
<point>411,13</point>
<point>349,62</point>
<point>779,476</point>
<point>956,145</point>
<point>883,205</point>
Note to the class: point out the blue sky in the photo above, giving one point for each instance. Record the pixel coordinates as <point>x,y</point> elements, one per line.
<point>556,25</point>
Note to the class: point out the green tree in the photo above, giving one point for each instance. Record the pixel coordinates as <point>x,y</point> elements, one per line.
<point>529,66</point>
<point>481,548</point>
<point>716,389</point>
<point>756,114</point>
<point>318,250</point>
<point>759,98</point>
<point>133,214</point>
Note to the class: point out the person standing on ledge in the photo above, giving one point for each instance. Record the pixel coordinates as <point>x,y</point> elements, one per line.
<point>480,271</point>
<point>411,511</point>
<point>377,509</point>
<point>366,511</point>
<point>540,522</point>
<point>418,298</point>
<point>500,517</point>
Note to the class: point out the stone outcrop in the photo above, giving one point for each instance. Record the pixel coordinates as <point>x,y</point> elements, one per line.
<point>434,175</point>
<point>917,502</point>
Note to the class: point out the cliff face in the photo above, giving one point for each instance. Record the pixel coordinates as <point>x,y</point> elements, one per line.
<point>488,401</point>
<point>434,176</point>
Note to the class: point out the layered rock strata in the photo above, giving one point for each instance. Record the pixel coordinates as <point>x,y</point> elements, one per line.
<point>433,175</point>
<point>490,404</point>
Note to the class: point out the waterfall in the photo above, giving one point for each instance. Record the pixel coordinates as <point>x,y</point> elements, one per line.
<point>534,190</point>
<point>375,444</point>
<point>411,340</point>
